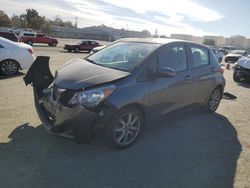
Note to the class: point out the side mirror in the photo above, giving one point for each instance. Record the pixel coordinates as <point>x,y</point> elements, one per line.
<point>166,72</point>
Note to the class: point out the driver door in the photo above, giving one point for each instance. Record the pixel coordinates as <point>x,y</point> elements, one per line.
<point>170,93</point>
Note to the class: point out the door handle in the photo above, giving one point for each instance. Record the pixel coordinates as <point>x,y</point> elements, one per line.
<point>214,69</point>
<point>188,79</point>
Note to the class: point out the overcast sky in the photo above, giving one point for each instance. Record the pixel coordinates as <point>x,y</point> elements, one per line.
<point>203,17</point>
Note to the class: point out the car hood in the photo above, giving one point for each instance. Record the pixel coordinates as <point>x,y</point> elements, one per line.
<point>79,73</point>
<point>244,62</point>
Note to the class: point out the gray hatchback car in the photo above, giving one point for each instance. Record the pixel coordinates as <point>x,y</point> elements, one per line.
<point>123,86</point>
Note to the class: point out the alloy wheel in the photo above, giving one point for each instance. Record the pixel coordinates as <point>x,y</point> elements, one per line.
<point>9,67</point>
<point>127,128</point>
<point>215,100</point>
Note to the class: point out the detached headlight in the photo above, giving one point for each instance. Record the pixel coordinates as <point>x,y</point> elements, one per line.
<point>92,97</point>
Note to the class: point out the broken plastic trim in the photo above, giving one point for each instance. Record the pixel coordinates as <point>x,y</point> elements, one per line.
<point>39,74</point>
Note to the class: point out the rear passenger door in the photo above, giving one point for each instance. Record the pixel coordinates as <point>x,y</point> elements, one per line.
<point>202,73</point>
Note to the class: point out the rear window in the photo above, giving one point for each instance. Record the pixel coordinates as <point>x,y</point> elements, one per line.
<point>199,56</point>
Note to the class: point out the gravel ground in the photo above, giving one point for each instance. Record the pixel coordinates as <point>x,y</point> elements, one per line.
<point>185,149</point>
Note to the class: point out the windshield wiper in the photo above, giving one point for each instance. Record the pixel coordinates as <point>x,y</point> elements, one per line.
<point>91,61</point>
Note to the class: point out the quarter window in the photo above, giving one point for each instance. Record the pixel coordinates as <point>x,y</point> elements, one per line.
<point>174,57</point>
<point>199,56</point>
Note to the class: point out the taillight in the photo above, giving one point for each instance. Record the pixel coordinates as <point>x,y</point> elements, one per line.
<point>30,50</point>
<point>221,70</point>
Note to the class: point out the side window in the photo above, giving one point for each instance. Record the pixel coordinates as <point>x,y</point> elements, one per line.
<point>85,42</point>
<point>1,46</point>
<point>29,34</point>
<point>92,42</point>
<point>174,57</point>
<point>199,56</point>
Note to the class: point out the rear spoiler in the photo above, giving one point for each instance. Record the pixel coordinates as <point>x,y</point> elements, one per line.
<point>39,74</point>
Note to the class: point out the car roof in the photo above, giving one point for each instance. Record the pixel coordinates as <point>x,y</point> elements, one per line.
<point>160,41</point>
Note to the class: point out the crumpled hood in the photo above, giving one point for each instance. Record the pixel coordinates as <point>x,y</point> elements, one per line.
<point>79,73</point>
<point>244,62</point>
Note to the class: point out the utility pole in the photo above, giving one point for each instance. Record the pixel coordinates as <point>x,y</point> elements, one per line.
<point>76,23</point>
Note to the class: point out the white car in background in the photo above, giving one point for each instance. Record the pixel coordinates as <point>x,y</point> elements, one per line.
<point>14,56</point>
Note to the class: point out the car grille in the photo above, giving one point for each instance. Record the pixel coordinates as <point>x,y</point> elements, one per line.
<point>247,71</point>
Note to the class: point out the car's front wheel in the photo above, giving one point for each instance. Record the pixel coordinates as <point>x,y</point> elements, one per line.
<point>125,128</point>
<point>9,67</point>
<point>214,100</point>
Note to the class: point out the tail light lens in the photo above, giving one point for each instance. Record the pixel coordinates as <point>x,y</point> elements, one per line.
<point>221,70</point>
<point>30,50</point>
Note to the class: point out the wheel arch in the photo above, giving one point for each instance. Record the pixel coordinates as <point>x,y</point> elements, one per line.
<point>139,107</point>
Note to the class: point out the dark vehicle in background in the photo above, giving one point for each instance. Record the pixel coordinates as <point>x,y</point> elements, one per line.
<point>242,69</point>
<point>31,38</point>
<point>122,87</point>
<point>235,55</point>
<point>227,49</point>
<point>82,45</point>
<point>11,36</point>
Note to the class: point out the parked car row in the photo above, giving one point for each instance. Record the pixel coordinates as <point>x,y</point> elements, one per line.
<point>30,38</point>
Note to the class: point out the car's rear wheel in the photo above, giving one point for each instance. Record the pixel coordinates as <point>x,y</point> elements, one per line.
<point>214,100</point>
<point>236,77</point>
<point>76,50</point>
<point>125,128</point>
<point>9,67</point>
<point>30,43</point>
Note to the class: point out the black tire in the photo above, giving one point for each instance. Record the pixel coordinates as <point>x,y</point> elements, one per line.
<point>69,50</point>
<point>9,67</point>
<point>76,50</point>
<point>54,44</point>
<point>30,42</point>
<point>236,77</point>
<point>126,124</point>
<point>214,100</point>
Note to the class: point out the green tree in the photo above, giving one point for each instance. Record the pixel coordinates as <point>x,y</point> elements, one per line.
<point>209,42</point>
<point>4,19</point>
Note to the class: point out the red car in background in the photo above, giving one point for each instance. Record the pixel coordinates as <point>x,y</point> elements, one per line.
<point>31,38</point>
<point>86,45</point>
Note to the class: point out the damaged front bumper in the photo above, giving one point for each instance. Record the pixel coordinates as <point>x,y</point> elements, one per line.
<point>242,72</point>
<point>58,118</point>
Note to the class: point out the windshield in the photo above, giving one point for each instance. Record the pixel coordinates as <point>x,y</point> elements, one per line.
<point>239,52</point>
<point>123,55</point>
